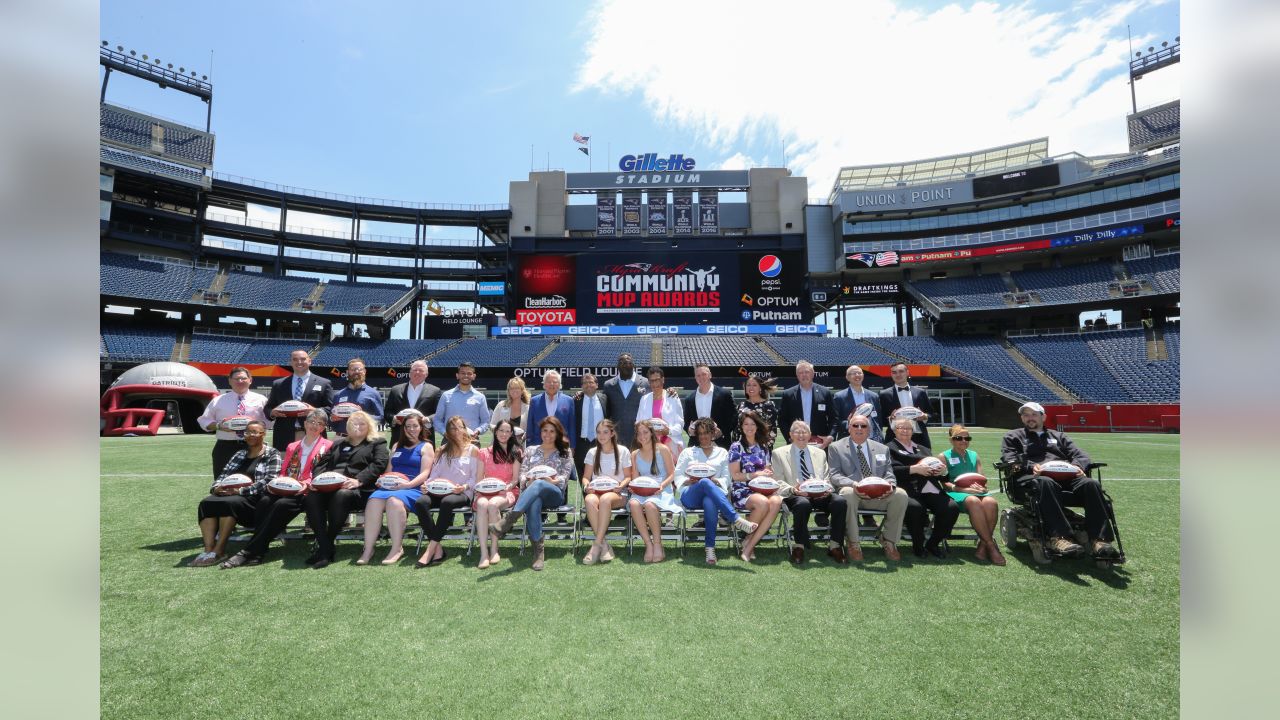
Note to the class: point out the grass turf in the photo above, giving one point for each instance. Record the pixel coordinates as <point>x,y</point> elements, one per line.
<point>680,639</point>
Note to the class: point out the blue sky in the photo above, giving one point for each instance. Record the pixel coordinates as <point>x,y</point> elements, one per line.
<point>442,102</point>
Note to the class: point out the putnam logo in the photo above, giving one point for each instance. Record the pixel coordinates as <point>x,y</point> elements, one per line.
<point>770,266</point>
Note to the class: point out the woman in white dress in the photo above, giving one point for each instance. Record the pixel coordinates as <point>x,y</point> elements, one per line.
<point>605,459</point>
<point>652,459</point>
<point>657,404</point>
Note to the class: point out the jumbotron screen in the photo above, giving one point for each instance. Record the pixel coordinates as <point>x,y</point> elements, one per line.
<point>644,287</point>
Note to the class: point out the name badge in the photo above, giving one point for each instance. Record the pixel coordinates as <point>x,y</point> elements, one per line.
<point>1053,441</point>
<point>822,406</point>
<point>955,460</point>
<point>880,458</point>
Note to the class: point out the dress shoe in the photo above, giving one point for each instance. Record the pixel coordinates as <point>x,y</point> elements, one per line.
<point>322,563</point>
<point>797,554</point>
<point>313,558</point>
<point>853,551</point>
<point>890,550</point>
<point>837,554</point>
<point>937,551</point>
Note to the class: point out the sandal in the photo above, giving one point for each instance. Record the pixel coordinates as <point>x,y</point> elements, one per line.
<point>711,556</point>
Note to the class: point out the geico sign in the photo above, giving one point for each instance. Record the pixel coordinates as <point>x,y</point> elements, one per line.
<point>589,330</point>
<point>510,330</point>
<point>727,329</point>
<point>547,317</point>
<point>658,330</point>
<point>808,329</point>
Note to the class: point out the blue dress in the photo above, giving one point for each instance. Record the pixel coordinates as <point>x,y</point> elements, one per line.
<point>408,462</point>
<point>665,500</point>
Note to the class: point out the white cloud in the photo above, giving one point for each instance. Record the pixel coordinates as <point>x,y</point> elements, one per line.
<point>739,161</point>
<point>857,83</point>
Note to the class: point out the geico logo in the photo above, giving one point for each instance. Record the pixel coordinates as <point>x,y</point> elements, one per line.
<point>520,330</point>
<point>727,329</point>
<point>589,330</point>
<point>795,328</point>
<point>657,330</point>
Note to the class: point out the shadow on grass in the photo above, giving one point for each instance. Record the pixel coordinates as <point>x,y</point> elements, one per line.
<point>1077,571</point>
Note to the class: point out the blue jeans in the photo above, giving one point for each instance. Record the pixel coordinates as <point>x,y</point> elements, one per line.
<point>707,496</point>
<point>532,499</point>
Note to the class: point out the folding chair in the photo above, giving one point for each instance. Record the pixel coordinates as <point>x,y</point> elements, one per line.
<point>567,530</point>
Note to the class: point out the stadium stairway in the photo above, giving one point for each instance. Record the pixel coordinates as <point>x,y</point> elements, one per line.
<point>182,348</point>
<point>1027,364</point>
<point>764,347</point>
<point>541,353</point>
<point>314,296</point>
<point>1007,277</point>
<point>1156,348</point>
<point>655,352</point>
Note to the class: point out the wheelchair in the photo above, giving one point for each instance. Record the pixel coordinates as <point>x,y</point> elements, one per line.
<point>1024,520</point>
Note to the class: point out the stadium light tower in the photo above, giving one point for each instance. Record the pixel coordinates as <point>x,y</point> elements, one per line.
<point>151,69</point>
<point>1153,60</point>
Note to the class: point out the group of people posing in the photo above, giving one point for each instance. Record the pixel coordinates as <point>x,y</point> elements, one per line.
<point>605,437</point>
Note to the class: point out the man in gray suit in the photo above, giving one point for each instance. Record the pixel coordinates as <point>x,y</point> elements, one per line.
<point>623,393</point>
<point>850,460</point>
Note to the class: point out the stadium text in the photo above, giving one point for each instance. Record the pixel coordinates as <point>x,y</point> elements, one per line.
<point>915,196</point>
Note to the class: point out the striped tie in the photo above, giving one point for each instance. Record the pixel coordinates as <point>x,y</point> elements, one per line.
<point>862,463</point>
<point>804,467</point>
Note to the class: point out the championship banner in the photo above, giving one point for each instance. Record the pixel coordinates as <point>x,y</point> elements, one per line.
<point>683,213</point>
<point>708,213</point>
<point>657,213</point>
<point>606,214</point>
<point>631,214</point>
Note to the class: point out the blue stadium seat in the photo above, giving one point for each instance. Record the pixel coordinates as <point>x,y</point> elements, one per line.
<point>128,276</point>
<point>175,141</point>
<point>977,291</point>
<point>827,351</point>
<point>378,353</point>
<point>1107,366</point>
<point>1071,284</point>
<point>112,156</point>
<point>218,348</point>
<point>119,342</point>
<point>274,352</point>
<point>685,350</point>
<point>981,357</point>
<point>1163,272</point>
<point>345,297</point>
<point>268,292</point>
<point>499,352</point>
<point>600,352</point>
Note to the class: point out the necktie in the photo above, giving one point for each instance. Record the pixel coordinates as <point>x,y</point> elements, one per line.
<point>804,466</point>
<point>588,417</point>
<point>862,463</point>
<point>240,409</point>
<point>297,388</point>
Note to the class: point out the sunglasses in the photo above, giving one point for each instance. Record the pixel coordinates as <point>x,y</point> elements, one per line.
<point>962,438</point>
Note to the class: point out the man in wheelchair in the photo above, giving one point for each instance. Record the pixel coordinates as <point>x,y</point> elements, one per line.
<point>1023,452</point>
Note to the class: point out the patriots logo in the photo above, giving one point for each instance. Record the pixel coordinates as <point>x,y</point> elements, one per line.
<point>868,259</point>
<point>641,266</point>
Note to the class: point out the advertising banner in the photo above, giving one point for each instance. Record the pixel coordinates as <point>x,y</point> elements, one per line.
<point>657,213</point>
<point>631,214</point>
<point>683,211</point>
<point>708,213</point>
<point>698,286</point>
<point>587,330</point>
<point>864,260</point>
<point>450,324</point>
<point>606,214</point>
<point>773,288</point>
<point>487,289</point>
<point>545,292</point>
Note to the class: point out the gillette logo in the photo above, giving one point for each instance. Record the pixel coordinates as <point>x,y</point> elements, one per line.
<point>650,162</point>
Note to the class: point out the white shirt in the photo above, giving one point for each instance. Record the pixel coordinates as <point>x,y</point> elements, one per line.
<point>606,467</point>
<point>306,378</point>
<point>227,405</point>
<point>411,393</point>
<point>806,405</point>
<point>589,419</point>
<point>808,462</point>
<point>904,396</point>
<point>702,402</point>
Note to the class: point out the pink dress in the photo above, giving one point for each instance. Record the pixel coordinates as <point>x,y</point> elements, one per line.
<point>502,471</point>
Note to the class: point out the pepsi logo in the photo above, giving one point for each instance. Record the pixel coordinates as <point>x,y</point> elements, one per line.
<point>770,266</point>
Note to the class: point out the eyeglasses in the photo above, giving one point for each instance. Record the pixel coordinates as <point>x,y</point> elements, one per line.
<point>860,426</point>
<point>962,438</point>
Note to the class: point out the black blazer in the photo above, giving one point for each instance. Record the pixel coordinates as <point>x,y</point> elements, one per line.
<point>823,419</point>
<point>398,399</point>
<point>902,462</point>
<point>889,403</point>
<point>578,399</point>
<point>364,462</point>
<point>723,413</point>
<point>317,393</point>
<point>623,411</point>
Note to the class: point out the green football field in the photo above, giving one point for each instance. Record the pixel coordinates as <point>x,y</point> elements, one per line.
<point>915,639</point>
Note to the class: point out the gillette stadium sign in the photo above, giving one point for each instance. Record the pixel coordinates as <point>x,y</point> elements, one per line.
<point>651,170</point>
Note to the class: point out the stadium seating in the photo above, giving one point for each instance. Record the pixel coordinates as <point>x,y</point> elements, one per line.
<point>218,348</point>
<point>827,351</point>
<point>266,292</point>
<point>599,352</point>
<point>345,297</point>
<point>377,353</point>
<point>136,344</point>
<point>1154,127</point>
<point>1163,272</point>
<point>175,141</point>
<point>978,291</point>
<point>1074,283</point>
<point>501,352</point>
<point>273,352</point>
<point>981,357</point>
<point>112,156</point>
<point>1124,354</point>
<point>128,276</point>
<point>1071,361</point>
<point>722,350</point>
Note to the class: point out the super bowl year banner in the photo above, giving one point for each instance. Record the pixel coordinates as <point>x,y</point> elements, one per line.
<point>683,211</point>
<point>657,213</point>
<point>631,214</point>
<point>606,214</point>
<point>708,213</point>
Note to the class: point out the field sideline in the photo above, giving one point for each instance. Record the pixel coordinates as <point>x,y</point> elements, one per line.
<point>907,640</point>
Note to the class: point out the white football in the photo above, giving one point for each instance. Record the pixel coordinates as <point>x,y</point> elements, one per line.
<point>645,486</point>
<point>933,463</point>
<point>764,485</point>
<point>328,482</point>
<point>1059,470</point>
<point>235,423</point>
<point>344,410</point>
<point>814,488</point>
<point>293,408</point>
<point>866,410</point>
<point>601,484</point>
<point>388,481</point>
<point>234,482</point>
<point>489,487</point>
<point>400,416</point>
<point>541,472</point>
<point>659,425</point>
<point>873,487</point>
<point>910,413</point>
<point>285,486</point>
<point>700,470</point>
<point>439,487</point>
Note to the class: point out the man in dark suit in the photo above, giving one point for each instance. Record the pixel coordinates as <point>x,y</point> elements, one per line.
<point>810,402</point>
<point>551,403</point>
<point>301,385</point>
<point>417,394</point>
<point>589,407</point>
<point>707,400</point>
<point>623,393</point>
<point>850,398</point>
<point>902,394</point>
